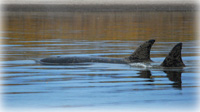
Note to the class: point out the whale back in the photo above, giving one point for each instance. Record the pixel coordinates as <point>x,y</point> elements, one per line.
<point>142,53</point>
<point>174,58</point>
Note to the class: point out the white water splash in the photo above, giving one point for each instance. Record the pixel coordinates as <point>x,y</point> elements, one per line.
<point>142,65</point>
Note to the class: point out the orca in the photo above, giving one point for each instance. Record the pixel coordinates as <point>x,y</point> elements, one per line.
<point>174,58</point>
<point>141,54</point>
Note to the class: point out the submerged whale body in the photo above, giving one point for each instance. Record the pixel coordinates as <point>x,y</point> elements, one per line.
<point>141,54</point>
<point>67,60</point>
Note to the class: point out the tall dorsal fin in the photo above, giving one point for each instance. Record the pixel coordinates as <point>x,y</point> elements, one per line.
<point>142,53</point>
<point>174,58</point>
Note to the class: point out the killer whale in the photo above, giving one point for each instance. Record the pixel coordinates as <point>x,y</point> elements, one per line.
<point>174,58</point>
<point>141,54</point>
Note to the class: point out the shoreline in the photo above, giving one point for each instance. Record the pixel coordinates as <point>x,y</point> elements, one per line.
<point>97,8</point>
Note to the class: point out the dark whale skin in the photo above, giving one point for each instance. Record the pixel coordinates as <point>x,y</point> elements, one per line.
<point>141,54</point>
<point>68,60</point>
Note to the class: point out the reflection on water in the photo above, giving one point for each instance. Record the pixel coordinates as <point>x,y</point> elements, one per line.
<point>32,36</point>
<point>145,74</point>
<point>174,76</point>
<point>169,26</point>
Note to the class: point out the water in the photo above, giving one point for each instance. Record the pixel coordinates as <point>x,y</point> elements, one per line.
<point>35,35</point>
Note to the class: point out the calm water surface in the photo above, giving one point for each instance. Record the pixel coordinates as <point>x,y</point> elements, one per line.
<point>35,35</point>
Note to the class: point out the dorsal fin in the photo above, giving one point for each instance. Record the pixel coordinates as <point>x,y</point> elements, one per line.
<point>174,58</point>
<point>142,53</point>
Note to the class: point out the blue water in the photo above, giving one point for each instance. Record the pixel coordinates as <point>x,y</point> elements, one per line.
<point>29,84</point>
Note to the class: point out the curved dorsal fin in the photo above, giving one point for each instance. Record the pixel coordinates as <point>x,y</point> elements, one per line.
<point>142,53</point>
<point>174,58</point>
